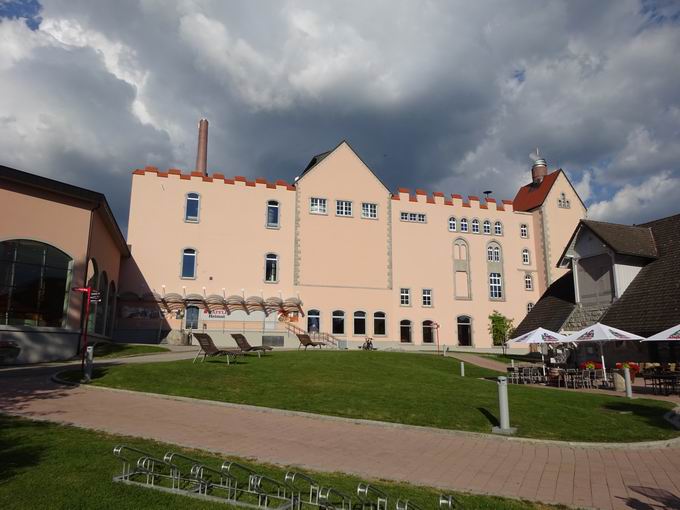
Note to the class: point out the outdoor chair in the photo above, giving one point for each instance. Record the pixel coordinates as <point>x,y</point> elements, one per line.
<point>308,342</point>
<point>513,375</point>
<point>243,344</point>
<point>209,349</point>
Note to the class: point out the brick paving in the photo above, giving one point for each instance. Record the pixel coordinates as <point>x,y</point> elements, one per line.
<point>610,477</point>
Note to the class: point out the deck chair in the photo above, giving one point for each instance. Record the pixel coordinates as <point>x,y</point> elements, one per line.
<point>209,349</point>
<point>243,344</point>
<point>308,342</point>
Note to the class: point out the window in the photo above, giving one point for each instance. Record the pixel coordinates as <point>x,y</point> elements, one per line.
<point>487,227</point>
<point>563,202</point>
<point>526,259</point>
<point>464,324</point>
<point>313,321</point>
<point>413,217</point>
<point>495,286</point>
<point>523,231</point>
<point>191,317</point>
<point>191,208</point>
<point>343,208</point>
<point>498,228</point>
<point>452,224</point>
<point>271,268</point>
<point>379,324</point>
<point>464,225</point>
<point>272,214</point>
<point>359,323</point>
<point>317,205</point>
<point>475,226</point>
<point>493,253</point>
<point>427,297</point>
<point>189,263</point>
<point>405,331</point>
<point>369,210</point>
<point>405,297</point>
<point>428,332</point>
<point>528,282</point>
<point>530,307</point>
<point>34,283</point>
<point>338,322</point>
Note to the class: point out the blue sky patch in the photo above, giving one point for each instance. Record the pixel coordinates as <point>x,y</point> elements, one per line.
<point>28,10</point>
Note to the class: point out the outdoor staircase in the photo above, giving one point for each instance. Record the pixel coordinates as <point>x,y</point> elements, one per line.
<point>316,336</point>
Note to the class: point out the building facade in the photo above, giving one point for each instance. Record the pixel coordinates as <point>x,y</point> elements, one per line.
<point>409,269</point>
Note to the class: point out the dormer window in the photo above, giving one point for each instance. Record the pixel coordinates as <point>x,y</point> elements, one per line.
<point>563,202</point>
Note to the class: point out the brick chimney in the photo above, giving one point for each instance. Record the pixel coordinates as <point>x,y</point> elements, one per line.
<point>202,152</point>
<point>539,171</point>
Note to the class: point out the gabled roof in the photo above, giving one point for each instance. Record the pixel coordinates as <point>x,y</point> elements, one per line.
<point>532,195</point>
<point>92,198</point>
<point>625,239</point>
<point>553,309</point>
<point>315,161</point>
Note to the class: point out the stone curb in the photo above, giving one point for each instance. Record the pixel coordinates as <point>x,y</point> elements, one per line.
<point>665,443</point>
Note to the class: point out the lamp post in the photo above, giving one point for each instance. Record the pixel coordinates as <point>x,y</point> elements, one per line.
<point>90,295</point>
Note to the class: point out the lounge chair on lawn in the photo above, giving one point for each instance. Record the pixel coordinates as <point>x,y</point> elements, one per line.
<point>308,342</point>
<point>209,349</point>
<point>243,344</point>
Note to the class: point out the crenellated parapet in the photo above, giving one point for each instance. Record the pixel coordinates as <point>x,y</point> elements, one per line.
<point>454,200</point>
<point>239,180</point>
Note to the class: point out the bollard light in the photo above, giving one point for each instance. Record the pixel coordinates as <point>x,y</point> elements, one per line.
<point>503,408</point>
<point>89,360</point>
<point>462,369</point>
<point>629,384</point>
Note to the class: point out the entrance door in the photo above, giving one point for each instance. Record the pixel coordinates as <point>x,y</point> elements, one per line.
<point>464,330</point>
<point>191,318</point>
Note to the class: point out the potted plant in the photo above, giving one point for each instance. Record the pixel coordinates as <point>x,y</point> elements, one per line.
<point>633,368</point>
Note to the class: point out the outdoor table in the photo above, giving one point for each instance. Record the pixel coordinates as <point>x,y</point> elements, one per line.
<point>664,382</point>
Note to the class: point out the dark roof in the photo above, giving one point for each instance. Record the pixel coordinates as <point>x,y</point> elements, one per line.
<point>625,239</point>
<point>651,303</point>
<point>553,309</point>
<point>533,195</point>
<point>315,161</point>
<point>92,197</point>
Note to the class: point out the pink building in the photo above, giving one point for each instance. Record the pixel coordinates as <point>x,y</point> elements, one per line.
<point>406,268</point>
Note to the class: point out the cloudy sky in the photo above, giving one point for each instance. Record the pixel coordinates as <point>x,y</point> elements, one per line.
<point>443,95</point>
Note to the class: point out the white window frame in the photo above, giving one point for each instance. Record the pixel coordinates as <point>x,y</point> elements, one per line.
<point>384,319</point>
<point>357,315</point>
<point>275,205</point>
<point>404,296</point>
<point>338,314</point>
<point>526,257</point>
<point>524,231</point>
<point>486,227</point>
<point>343,208</point>
<point>495,286</point>
<point>498,228</point>
<point>427,298</point>
<point>369,210</point>
<point>271,257</point>
<point>452,224</point>
<point>197,198</point>
<point>181,266</point>
<point>318,205</point>
<point>475,226</point>
<point>528,282</point>
<point>413,217</point>
<point>464,225</point>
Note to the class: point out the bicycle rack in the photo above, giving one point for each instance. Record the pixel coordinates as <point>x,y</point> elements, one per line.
<point>372,497</point>
<point>294,480</point>
<point>405,504</point>
<point>332,499</point>
<point>447,501</point>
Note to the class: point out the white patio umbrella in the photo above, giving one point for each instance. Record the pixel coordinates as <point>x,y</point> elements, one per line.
<point>667,335</point>
<point>538,336</point>
<point>600,334</point>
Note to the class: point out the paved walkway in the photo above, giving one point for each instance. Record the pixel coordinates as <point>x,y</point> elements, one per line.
<point>601,477</point>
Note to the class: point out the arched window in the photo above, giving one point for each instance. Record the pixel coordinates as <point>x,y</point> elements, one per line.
<point>314,321</point>
<point>338,322</point>
<point>35,280</point>
<point>192,207</point>
<point>528,282</point>
<point>461,269</point>
<point>272,214</point>
<point>489,253</point>
<point>563,202</point>
<point>464,324</point>
<point>493,252</point>
<point>271,268</point>
<point>526,258</point>
<point>498,228</point>
<point>189,263</point>
<point>359,323</point>
<point>428,332</point>
<point>110,309</point>
<point>379,324</point>
<point>475,226</point>
<point>100,306</point>
<point>452,224</point>
<point>405,331</point>
<point>464,225</point>
<point>191,318</point>
<point>523,231</point>
<point>530,307</point>
<point>487,227</point>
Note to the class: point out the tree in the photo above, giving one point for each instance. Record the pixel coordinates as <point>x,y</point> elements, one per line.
<point>500,328</point>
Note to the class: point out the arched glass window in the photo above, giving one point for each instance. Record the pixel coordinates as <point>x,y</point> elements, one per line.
<point>530,307</point>
<point>272,214</point>
<point>464,225</point>
<point>189,263</point>
<point>475,226</point>
<point>496,254</point>
<point>359,323</point>
<point>100,306</point>
<point>498,228</point>
<point>428,332</point>
<point>464,324</point>
<point>271,268</point>
<point>405,331</point>
<point>192,207</point>
<point>526,258</point>
<point>493,252</point>
<point>523,231</point>
<point>110,309</point>
<point>487,227</point>
<point>338,322</point>
<point>452,224</point>
<point>489,253</point>
<point>314,321</point>
<point>379,324</point>
<point>35,280</point>
<point>528,282</point>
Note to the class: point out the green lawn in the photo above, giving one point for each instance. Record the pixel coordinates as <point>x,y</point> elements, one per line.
<point>50,466</point>
<point>416,389</point>
<point>107,350</point>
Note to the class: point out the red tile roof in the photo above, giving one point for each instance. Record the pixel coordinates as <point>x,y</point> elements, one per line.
<point>531,196</point>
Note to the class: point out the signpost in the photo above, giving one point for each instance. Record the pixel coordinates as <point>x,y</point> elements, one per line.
<point>92,296</point>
